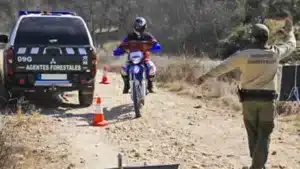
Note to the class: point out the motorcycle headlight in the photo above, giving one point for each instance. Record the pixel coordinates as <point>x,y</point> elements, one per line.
<point>136,60</point>
<point>136,57</point>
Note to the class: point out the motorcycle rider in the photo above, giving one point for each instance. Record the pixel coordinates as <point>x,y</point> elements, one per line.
<point>135,41</point>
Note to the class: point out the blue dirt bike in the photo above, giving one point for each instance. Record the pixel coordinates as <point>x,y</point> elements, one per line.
<point>137,76</point>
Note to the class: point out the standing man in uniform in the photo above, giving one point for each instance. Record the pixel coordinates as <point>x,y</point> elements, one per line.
<point>258,65</point>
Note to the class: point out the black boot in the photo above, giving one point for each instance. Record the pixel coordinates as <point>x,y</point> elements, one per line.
<point>126,84</point>
<point>150,85</point>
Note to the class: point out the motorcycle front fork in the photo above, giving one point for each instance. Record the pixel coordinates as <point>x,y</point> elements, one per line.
<point>144,86</point>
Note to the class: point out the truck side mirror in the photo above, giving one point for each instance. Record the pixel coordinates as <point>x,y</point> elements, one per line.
<point>3,38</point>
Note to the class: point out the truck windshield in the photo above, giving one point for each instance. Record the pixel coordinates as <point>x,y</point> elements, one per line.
<point>51,31</point>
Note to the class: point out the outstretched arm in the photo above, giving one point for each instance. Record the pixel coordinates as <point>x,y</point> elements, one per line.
<point>234,61</point>
<point>228,65</point>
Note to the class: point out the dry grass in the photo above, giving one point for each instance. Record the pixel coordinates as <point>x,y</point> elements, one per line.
<point>293,123</point>
<point>288,108</point>
<point>297,122</point>
<point>178,69</point>
<point>6,151</point>
<point>179,75</point>
<point>106,56</point>
<point>14,154</point>
<point>187,70</point>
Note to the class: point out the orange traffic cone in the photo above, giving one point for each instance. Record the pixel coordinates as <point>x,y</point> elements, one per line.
<point>104,77</point>
<point>99,116</point>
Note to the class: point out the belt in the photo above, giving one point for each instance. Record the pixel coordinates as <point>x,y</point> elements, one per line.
<point>257,95</point>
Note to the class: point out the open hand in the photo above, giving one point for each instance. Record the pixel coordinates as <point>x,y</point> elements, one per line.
<point>288,27</point>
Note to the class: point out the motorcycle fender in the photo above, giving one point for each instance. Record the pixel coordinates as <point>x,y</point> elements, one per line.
<point>137,72</point>
<point>135,69</point>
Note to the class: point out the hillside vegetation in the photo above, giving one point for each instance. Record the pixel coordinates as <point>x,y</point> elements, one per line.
<point>196,28</point>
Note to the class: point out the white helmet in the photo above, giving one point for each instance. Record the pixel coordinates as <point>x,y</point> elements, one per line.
<point>140,24</point>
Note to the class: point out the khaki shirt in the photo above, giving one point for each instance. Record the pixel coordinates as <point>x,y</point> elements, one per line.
<point>258,66</point>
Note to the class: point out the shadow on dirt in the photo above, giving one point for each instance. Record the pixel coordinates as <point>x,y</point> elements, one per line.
<point>64,110</point>
<point>116,114</point>
<point>61,109</point>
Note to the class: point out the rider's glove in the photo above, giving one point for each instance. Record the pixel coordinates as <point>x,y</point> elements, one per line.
<point>119,52</point>
<point>156,48</point>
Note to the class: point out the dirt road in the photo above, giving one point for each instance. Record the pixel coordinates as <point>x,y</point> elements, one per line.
<point>172,130</point>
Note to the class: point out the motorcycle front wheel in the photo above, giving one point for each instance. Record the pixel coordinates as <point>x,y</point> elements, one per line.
<point>137,100</point>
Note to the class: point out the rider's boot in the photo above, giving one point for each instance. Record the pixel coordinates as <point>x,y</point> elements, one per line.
<point>126,84</point>
<point>151,85</point>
